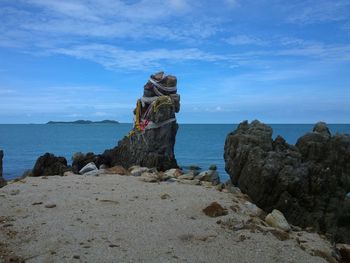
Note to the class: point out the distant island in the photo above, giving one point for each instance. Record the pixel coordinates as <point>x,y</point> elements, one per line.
<point>84,122</point>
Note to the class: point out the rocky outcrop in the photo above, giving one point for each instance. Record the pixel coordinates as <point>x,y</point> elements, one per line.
<point>308,182</point>
<point>151,142</point>
<point>2,181</point>
<point>79,160</point>
<point>48,164</point>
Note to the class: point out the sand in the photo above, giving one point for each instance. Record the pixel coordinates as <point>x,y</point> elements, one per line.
<point>112,218</point>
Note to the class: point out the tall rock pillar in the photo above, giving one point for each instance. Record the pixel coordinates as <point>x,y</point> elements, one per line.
<point>151,141</point>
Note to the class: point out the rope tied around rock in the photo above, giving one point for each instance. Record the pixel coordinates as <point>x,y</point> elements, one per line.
<point>162,86</point>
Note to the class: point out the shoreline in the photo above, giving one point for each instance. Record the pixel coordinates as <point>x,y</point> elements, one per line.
<point>113,217</point>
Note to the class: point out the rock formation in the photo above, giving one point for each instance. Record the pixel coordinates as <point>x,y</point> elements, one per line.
<point>79,160</point>
<point>49,164</point>
<point>151,141</point>
<point>308,182</point>
<point>2,181</point>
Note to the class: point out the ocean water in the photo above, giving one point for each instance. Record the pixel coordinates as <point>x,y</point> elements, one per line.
<point>196,144</point>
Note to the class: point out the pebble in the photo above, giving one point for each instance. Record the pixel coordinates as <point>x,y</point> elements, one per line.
<point>277,219</point>
<point>215,210</point>
<point>50,205</point>
<point>165,196</point>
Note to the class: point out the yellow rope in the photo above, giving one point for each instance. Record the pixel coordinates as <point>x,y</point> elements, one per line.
<point>162,100</point>
<point>138,115</point>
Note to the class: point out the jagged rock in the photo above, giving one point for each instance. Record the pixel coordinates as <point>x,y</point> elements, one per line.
<point>151,142</point>
<point>344,250</point>
<point>88,168</point>
<point>277,219</point>
<point>48,164</point>
<point>307,182</point>
<point>2,181</point>
<point>79,160</point>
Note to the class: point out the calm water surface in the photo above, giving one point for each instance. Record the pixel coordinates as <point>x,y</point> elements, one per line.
<point>200,144</point>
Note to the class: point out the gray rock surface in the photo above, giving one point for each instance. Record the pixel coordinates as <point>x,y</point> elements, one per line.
<point>79,160</point>
<point>307,182</point>
<point>48,164</point>
<point>2,181</point>
<point>88,168</point>
<point>151,142</point>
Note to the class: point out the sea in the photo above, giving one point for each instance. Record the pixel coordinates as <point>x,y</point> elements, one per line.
<point>196,144</point>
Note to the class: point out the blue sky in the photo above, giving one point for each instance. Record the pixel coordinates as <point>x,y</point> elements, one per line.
<point>276,61</point>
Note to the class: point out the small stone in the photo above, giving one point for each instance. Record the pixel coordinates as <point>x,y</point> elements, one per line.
<point>252,209</point>
<point>188,176</point>
<point>277,219</point>
<point>165,196</point>
<point>149,177</point>
<point>172,173</point>
<point>137,171</point>
<point>76,257</point>
<point>190,182</point>
<point>113,245</point>
<point>215,210</point>
<point>37,203</point>
<point>50,205</point>
<point>117,170</point>
<point>68,173</point>
<point>220,187</point>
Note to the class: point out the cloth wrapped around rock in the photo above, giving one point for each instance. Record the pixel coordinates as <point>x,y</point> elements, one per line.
<point>151,141</point>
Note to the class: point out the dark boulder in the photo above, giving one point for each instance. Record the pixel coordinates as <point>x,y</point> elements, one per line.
<point>307,182</point>
<point>79,160</point>
<point>2,181</point>
<point>48,164</point>
<point>151,142</point>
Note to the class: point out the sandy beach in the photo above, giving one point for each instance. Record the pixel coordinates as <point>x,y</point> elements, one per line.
<point>112,218</point>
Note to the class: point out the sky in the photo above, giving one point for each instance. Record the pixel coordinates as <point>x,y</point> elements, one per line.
<point>272,60</point>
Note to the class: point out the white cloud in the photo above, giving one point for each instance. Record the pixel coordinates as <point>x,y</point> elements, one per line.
<point>245,40</point>
<point>113,57</point>
<point>310,12</point>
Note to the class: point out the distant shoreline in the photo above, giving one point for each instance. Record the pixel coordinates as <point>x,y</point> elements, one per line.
<point>84,122</point>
